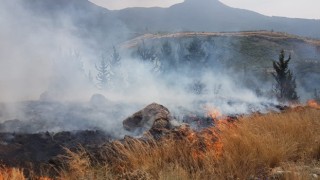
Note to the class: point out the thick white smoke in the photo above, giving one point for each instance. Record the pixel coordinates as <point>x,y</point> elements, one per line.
<point>42,58</point>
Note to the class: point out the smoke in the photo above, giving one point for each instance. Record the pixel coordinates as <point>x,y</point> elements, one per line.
<point>30,46</point>
<point>45,77</point>
<point>45,61</point>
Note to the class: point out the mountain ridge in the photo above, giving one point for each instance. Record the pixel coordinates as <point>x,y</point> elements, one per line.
<point>215,17</point>
<point>191,15</point>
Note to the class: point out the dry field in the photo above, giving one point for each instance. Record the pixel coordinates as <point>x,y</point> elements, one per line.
<point>272,146</point>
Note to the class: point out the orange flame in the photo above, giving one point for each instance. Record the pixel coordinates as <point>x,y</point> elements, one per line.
<point>212,112</point>
<point>313,103</point>
<point>206,141</point>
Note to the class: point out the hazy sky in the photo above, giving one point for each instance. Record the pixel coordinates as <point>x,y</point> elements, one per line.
<point>287,8</point>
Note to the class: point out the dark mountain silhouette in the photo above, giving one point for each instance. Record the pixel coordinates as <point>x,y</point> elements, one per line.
<point>191,15</point>
<point>211,15</point>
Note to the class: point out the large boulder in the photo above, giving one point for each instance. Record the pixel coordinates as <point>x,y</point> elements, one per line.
<point>153,117</point>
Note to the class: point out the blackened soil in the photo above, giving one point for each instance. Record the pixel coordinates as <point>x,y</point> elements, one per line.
<point>43,149</point>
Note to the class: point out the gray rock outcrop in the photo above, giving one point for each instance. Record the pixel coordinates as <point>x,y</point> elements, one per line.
<point>154,117</point>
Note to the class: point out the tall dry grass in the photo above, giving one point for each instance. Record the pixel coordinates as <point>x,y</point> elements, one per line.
<point>11,174</point>
<point>18,174</point>
<point>259,143</point>
<point>251,148</point>
<point>256,146</point>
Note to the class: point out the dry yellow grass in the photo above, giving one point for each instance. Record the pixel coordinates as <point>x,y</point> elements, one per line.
<point>11,174</point>
<point>252,147</point>
<point>17,174</point>
<point>259,143</point>
<point>279,145</point>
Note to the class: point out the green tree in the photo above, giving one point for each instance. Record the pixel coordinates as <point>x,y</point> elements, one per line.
<point>195,51</point>
<point>103,73</point>
<point>285,87</point>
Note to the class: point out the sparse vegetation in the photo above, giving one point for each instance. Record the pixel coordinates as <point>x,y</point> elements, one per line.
<point>195,51</point>
<point>197,87</point>
<point>167,56</point>
<point>145,53</point>
<point>149,55</point>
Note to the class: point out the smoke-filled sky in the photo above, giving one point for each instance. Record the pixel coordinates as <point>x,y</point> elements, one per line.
<point>286,8</point>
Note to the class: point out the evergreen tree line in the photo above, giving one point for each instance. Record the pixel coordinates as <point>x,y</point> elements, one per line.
<point>174,57</point>
<point>194,54</point>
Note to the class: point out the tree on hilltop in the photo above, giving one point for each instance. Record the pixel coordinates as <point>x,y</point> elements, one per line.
<point>285,87</point>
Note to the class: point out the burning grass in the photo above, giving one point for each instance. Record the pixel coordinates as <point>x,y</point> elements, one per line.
<point>11,173</point>
<point>280,145</point>
<point>250,147</point>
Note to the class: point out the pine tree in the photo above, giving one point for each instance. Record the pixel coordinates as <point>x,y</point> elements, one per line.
<point>115,58</point>
<point>285,87</point>
<point>103,73</point>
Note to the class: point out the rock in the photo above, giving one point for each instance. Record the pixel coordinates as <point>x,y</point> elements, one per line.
<point>154,117</point>
<point>98,100</point>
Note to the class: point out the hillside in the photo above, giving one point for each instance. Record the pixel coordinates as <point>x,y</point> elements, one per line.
<point>247,55</point>
<point>266,34</point>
